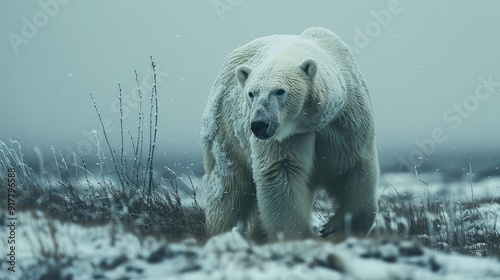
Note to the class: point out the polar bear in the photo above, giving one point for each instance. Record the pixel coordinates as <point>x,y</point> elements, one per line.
<point>289,115</point>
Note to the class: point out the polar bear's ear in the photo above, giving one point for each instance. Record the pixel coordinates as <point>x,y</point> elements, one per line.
<point>242,72</point>
<point>309,66</point>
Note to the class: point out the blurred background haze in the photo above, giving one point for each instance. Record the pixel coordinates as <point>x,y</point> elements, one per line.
<point>432,67</point>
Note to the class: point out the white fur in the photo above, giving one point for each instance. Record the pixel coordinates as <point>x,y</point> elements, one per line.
<point>310,93</point>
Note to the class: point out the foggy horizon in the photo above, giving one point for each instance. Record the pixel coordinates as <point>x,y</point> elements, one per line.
<point>431,68</point>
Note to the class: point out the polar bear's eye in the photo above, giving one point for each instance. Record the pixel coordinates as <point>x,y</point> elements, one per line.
<point>250,94</point>
<point>280,91</point>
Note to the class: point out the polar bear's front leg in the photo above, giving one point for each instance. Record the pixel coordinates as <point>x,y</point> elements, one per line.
<point>281,171</point>
<point>229,190</point>
<point>356,195</point>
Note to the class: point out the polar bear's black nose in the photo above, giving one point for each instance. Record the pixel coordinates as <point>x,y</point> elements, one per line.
<point>259,129</point>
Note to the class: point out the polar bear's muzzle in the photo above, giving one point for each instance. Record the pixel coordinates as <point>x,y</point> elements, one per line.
<point>264,120</point>
<point>261,130</point>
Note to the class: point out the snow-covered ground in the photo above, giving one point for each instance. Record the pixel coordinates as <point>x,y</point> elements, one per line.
<point>107,253</point>
<point>52,249</point>
<point>433,183</point>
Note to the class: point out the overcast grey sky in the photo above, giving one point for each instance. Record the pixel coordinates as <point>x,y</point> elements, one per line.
<point>432,68</point>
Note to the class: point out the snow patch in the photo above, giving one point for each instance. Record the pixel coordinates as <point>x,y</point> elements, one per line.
<point>105,252</point>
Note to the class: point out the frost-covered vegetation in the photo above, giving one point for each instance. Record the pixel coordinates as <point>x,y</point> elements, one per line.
<point>444,216</point>
<point>130,194</point>
<point>131,223</point>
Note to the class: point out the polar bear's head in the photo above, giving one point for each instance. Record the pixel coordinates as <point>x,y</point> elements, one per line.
<point>276,93</point>
<point>284,97</point>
